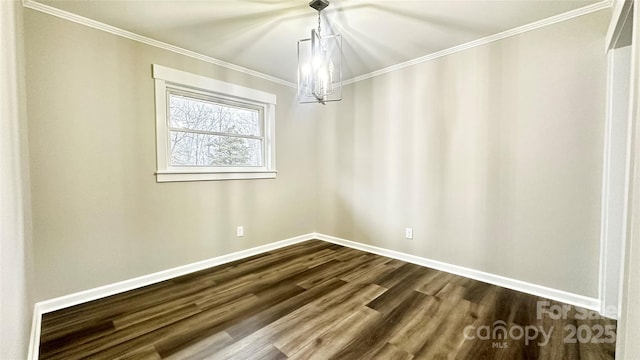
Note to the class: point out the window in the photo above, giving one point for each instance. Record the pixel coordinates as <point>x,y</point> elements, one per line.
<point>212,130</point>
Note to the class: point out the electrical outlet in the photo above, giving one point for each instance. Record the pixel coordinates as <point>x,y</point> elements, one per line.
<point>240,231</point>
<point>408,233</point>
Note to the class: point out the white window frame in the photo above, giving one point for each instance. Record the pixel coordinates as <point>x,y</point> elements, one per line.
<point>170,80</point>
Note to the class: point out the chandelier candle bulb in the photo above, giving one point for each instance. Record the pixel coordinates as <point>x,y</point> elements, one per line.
<point>320,64</point>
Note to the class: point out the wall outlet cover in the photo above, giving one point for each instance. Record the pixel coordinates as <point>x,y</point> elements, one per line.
<point>408,233</point>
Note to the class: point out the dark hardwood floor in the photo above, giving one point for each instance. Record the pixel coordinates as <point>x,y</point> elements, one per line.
<point>317,300</point>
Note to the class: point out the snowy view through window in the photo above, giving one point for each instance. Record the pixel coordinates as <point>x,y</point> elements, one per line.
<point>208,133</point>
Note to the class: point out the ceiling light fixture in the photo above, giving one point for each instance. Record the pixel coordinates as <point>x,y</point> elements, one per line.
<point>320,64</point>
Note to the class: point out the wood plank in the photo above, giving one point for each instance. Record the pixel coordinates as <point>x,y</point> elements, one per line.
<point>369,342</point>
<point>146,353</point>
<point>398,292</point>
<point>254,323</point>
<point>202,349</point>
<point>391,352</point>
<point>307,316</point>
<point>368,271</point>
<point>72,350</point>
<point>337,337</point>
<point>294,339</point>
<point>200,328</point>
<point>450,334</point>
<point>337,269</point>
<point>106,310</point>
<point>423,326</point>
<point>312,300</point>
<point>168,338</point>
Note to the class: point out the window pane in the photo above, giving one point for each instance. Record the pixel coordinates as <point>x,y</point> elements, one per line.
<point>192,149</point>
<point>196,114</point>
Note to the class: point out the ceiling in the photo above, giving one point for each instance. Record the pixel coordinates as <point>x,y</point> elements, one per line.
<point>262,34</point>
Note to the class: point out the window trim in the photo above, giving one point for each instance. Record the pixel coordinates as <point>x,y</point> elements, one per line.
<point>167,80</point>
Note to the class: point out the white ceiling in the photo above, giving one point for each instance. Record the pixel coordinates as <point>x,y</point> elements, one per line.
<point>262,34</point>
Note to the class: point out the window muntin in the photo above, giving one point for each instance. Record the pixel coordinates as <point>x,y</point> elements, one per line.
<point>188,111</point>
<point>214,132</point>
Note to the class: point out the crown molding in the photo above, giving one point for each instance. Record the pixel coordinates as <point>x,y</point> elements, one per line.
<point>489,39</point>
<point>34,5</point>
<point>622,14</point>
<point>50,10</point>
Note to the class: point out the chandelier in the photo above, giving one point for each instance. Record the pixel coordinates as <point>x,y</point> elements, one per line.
<point>320,64</point>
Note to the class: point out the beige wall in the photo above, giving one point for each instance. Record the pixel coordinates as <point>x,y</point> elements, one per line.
<point>98,214</point>
<point>493,155</point>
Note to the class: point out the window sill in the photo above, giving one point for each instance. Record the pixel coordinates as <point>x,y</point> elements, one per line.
<point>168,176</point>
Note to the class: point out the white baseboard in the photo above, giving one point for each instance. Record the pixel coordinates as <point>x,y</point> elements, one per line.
<point>46,306</point>
<point>34,340</point>
<point>62,302</point>
<point>518,285</point>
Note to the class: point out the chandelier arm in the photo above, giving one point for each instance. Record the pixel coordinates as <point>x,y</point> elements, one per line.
<point>316,77</point>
